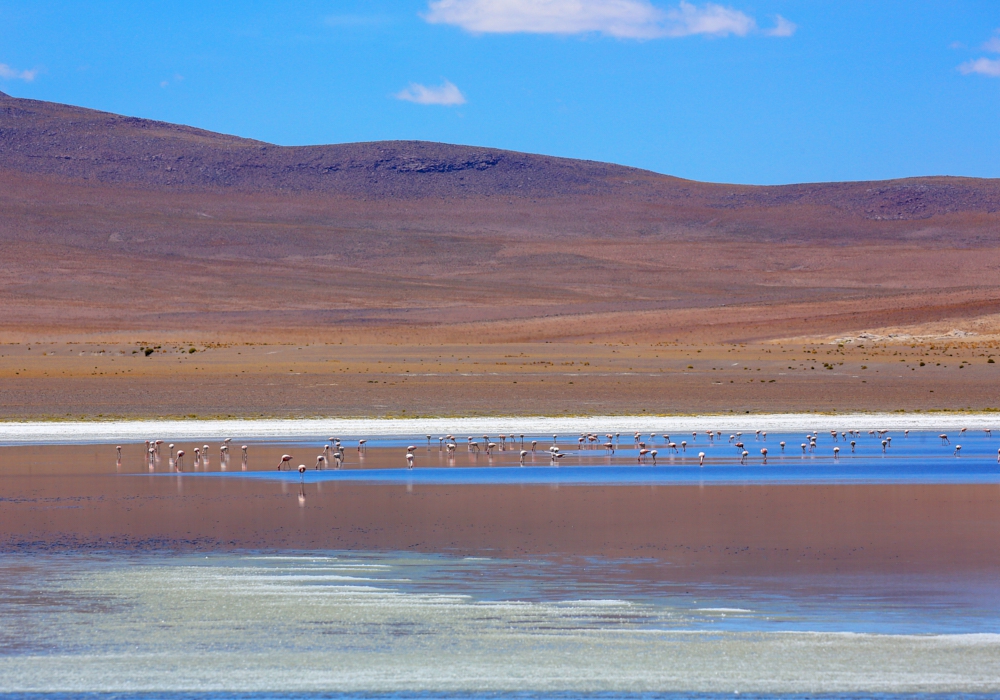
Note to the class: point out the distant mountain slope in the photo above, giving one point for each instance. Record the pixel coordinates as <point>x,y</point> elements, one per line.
<point>51,139</point>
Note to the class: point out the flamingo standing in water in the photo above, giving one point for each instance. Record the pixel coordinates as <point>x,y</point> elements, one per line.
<point>782,444</point>
<point>320,459</point>
<point>244,448</point>
<point>285,459</point>
<point>958,450</point>
<point>119,448</point>
<point>180,460</point>
<point>524,453</point>
<point>409,460</point>
<point>763,453</point>
<point>701,459</point>
<point>743,457</point>
<point>836,453</point>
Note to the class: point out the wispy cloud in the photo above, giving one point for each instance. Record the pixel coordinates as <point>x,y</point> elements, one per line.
<point>782,27</point>
<point>985,66</point>
<point>993,44</point>
<point>623,19</point>
<point>982,66</point>
<point>8,73</point>
<point>711,19</point>
<point>446,94</point>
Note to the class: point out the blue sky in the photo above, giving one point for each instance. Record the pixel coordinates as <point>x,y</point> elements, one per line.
<point>756,91</point>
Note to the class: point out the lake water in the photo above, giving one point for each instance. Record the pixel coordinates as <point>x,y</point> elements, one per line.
<point>285,622</point>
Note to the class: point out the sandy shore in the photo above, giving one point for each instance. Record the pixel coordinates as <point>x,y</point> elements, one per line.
<point>67,381</point>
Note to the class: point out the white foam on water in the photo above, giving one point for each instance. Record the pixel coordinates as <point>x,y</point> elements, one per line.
<point>176,625</point>
<point>127,431</point>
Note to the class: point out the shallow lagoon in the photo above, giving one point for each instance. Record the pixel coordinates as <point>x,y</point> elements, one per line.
<point>276,619</point>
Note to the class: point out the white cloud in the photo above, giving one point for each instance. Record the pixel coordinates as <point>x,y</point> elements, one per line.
<point>624,19</point>
<point>9,73</point>
<point>993,45</point>
<point>445,94</point>
<point>782,27</point>
<point>711,19</point>
<point>982,66</point>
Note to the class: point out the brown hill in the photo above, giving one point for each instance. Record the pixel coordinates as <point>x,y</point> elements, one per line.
<point>112,224</point>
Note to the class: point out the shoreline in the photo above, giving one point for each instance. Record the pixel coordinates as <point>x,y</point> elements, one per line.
<point>48,432</point>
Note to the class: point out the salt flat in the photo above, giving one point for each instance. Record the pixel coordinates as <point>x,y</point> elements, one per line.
<point>124,431</point>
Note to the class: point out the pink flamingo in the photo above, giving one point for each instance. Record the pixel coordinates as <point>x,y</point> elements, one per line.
<point>285,459</point>
<point>701,459</point>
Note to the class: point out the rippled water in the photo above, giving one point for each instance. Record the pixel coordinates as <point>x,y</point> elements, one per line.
<point>401,623</point>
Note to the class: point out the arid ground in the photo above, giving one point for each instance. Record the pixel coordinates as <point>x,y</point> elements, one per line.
<point>383,278</point>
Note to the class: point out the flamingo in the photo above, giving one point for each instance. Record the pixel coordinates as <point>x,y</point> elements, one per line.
<point>853,443</point>
<point>285,459</point>
<point>362,446</point>
<point>944,439</point>
<point>885,444</point>
<point>244,448</point>
<point>171,446</point>
<point>743,457</point>
<point>803,448</point>
<point>782,444</point>
<point>533,444</point>
<point>180,459</point>
<point>524,453</point>
<point>701,459</point>
<point>836,453</point>
<point>684,446</point>
<point>958,450</point>
<point>763,453</point>
<point>653,453</point>
<point>642,455</point>
<point>302,470</point>
<point>320,459</point>
<point>409,460</point>
<point>119,449</point>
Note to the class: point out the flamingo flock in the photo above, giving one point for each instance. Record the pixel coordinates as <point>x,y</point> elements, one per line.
<point>332,455</point>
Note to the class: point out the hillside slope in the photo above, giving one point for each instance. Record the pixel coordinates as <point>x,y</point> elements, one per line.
<point>117,225</point>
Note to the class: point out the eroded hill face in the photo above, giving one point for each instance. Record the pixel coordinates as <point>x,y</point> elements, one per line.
<point>118,226</point>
